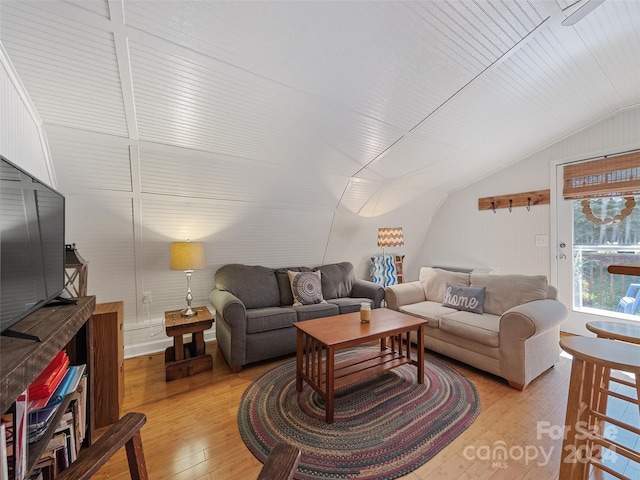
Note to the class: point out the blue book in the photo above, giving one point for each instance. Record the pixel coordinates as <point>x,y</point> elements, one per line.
<point>69,384</point>
<point>39,421</point>
<point>41,416</point>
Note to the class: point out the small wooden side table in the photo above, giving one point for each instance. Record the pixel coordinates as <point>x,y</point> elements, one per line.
<point>182,360</point>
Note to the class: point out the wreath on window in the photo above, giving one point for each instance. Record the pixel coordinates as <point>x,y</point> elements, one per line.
<point>629,205</point>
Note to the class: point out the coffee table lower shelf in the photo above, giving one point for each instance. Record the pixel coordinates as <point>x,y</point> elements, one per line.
<point>349,372</point>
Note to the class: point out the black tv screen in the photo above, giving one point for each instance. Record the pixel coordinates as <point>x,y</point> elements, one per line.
<point>32,247</point>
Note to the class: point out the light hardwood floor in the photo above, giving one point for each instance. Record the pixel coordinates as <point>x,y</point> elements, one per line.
<point>192,433</point>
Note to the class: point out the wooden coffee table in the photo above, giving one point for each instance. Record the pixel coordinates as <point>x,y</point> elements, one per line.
<point>329,334</point>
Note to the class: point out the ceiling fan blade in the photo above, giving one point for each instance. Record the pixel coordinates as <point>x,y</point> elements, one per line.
<point>581,12</point>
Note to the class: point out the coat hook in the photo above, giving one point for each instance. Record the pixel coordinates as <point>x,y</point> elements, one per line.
<point>493,207</point>
<point>528,204</point>
<point>510,205</point>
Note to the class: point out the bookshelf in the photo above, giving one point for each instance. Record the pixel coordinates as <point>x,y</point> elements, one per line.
<point>398,260</point>
<point>60,327</point>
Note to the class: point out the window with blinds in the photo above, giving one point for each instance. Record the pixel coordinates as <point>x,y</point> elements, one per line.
<point>617,176</point>
<point>606,231</point>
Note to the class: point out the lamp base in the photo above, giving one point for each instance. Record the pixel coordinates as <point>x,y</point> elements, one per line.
<point>188,312</point>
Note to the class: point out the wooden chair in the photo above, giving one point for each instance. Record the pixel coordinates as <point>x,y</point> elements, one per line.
<point>281,464</point>
<point>631,301</point>
<point>125,432</point>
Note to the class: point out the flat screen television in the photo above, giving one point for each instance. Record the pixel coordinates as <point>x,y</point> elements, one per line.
<point>32,249</point>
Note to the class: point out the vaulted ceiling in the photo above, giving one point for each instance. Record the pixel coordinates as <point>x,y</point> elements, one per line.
<point>398,97</point>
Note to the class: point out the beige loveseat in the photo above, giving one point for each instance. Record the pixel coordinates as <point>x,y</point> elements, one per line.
<point>515,337</point>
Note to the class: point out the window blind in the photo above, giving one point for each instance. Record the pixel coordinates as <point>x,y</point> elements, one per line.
<point>617,176</point>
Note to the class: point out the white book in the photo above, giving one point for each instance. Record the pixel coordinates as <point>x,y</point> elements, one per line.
<point>4,463</point>
<point>21,434</point>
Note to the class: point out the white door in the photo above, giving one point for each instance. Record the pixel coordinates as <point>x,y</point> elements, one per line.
<point>564,243</point>
<point>575,287</point>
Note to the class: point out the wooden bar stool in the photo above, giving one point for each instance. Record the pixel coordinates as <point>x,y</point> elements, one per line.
<point>593,359</point>
<point>624,332</point>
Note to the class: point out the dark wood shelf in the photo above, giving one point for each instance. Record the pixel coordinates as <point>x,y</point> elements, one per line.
<point>350,372</point>
<point>59,327</point>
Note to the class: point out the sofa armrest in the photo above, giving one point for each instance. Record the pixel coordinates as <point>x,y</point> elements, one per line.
<point>231,328</point>
<point>229,307</point>
<point>367,289</point>
<point>531,319</point>
<point>401,294</point>
<point>529,340</point>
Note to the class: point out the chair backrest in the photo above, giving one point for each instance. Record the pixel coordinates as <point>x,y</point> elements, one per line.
<point>634,291</point>
<point>281,464</point>
<point>125,432</point>
<point>631,301</point>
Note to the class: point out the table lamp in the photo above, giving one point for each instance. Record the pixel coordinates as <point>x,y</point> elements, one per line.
<point>389,237</point>
<point>187,256</point>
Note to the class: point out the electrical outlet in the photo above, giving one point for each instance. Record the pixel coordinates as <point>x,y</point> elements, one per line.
<point>146,297</point>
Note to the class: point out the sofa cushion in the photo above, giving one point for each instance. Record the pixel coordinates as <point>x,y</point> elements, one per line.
<point>317,310</point>
<point>430,311</point>
<point>284,284</point>
<point>507,291</point>
<point>434,279</point>
<point>306,288</point>
<point>464,298</point>
<point>349,304</point>
<point>482,329</point>
<point>270,318</point>
<point>337,280</point>
<point>255,286</point>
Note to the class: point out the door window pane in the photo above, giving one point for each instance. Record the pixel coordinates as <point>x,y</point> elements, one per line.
<point>602,237</point>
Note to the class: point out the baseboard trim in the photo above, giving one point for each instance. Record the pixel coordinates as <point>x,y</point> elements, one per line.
<point>159,345</point>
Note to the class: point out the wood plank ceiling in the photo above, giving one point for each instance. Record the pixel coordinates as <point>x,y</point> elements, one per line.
<point>365,97</point>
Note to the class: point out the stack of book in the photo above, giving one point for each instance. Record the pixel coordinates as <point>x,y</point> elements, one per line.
<point>13,459</point>
<point>52,421</point>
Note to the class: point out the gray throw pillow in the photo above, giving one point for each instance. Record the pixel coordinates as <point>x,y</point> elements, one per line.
<point>468,299</point>
<point>306,288</point>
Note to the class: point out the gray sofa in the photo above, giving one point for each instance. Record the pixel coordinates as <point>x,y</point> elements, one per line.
<point>255,312</point>
<point>515,337</point>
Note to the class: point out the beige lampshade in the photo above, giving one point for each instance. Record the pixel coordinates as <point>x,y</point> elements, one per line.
<point>390,237</point>
<point>187,256</point>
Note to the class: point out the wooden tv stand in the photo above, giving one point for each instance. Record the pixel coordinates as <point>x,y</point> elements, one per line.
<point>59,327</point>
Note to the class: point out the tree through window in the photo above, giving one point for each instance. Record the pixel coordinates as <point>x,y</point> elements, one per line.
<point>606,231</point>
<point>596,246</point>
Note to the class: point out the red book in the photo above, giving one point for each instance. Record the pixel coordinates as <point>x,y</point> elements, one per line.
<point>50,378</point>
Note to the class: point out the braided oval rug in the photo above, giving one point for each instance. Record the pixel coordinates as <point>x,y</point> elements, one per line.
<point>384,427</point>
